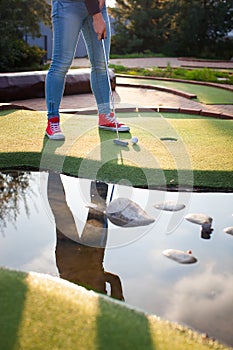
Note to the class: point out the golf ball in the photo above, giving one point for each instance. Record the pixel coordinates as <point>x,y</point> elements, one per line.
<point>134,139</point>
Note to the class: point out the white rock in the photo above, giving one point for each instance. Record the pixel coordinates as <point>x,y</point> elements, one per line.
<point>180,256</point>
<point>125,212</point>
<point>169,206</point>
<point>200,219</point>
<point>229,230</point>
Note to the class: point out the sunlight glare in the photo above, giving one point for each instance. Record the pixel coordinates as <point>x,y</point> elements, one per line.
<point>110,3</point>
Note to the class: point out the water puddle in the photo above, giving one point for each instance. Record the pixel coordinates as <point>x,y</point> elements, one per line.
<point>57,224</point>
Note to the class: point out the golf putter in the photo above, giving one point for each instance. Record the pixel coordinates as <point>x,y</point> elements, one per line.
<point>116,141</point>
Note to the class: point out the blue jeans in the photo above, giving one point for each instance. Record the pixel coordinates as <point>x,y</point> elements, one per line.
<point>69,18</point>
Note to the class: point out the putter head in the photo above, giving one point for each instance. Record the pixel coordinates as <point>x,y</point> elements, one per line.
<point>120,142</point>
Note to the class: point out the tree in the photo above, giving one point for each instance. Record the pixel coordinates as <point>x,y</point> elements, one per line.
<point>175,27</point>
<point>13,187</point>
<point>200,27</point>
<point>17,19</point>
<point>138,25</point>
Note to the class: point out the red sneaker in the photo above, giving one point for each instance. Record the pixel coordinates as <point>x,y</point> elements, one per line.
<point>53,130</point>
<point>109,122</point>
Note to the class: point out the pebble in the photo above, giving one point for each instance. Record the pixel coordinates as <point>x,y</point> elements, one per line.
<point>169,206</point>
<point>200,219</point>
<point>180,256</point>
<point>125,212</point>
<point>229,230</point>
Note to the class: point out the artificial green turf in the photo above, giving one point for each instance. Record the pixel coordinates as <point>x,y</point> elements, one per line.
<point>205,94</point>
<point>201,157</point>
<point>38,312</point>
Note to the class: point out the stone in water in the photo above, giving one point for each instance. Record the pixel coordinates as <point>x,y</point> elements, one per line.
<point>180,256</point>
<point>169,206</point>
<point>229,230</point>
<point>124,212</point>
<point>200,219</point>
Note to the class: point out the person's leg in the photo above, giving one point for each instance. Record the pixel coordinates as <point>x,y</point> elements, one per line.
<point>67,19</point>
<point>99,79</point>
<point>99,83</point>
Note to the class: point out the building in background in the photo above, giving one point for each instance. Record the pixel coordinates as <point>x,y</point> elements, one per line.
<point>45,42</point>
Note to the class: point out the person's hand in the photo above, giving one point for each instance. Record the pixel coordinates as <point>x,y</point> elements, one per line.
<point>99,25</point>
<point>101,4</point>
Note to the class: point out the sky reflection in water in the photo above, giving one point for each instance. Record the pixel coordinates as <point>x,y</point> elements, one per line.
<point>131,266</point>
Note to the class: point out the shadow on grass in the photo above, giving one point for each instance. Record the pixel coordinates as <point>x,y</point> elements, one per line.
<point>13,290</point>
<point>114,173</point>
<point>123,333</point>
<point>116,328</point>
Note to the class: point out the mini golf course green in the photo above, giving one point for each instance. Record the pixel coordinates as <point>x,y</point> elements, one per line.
<point>41,312</point>
<point>205,94</point>
<point>201,156</point>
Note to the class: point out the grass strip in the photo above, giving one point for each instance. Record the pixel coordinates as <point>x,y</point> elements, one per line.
<point>41,312</point>
<point>205,94</point>
<point>199,74</point>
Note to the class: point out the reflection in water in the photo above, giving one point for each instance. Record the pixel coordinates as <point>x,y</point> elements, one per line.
<point>82,249</point>
<point>205,221</point>
<point>13,186</point>
<point>206,232</point>
<point>80,258</point>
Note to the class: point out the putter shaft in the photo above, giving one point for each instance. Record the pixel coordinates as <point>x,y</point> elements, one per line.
<point>109,84</point>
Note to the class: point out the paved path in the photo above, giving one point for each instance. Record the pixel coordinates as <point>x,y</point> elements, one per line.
<point>134,97</point>
<point>129,97</point>
<point>161,62</point>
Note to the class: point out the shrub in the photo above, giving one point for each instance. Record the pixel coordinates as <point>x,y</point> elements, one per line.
<point>19,55</point>
<point>203,74</point>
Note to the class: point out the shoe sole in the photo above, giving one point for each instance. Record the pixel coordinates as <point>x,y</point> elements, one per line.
<point>121,129</point>
<point>57,137</point>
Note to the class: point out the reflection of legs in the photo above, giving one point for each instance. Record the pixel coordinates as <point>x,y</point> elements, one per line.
<point>95,234</point>
<point>64,219</point>
<point>81,260</point>
<point>115,283</point>
<point>95,231</point>
<point>75,262</point>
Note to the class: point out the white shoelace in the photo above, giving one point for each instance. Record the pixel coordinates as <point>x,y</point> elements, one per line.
<point>55,127</point>
<point>111,119</point>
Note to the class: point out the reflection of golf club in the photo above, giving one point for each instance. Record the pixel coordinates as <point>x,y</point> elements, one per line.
<point>117,141</point>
